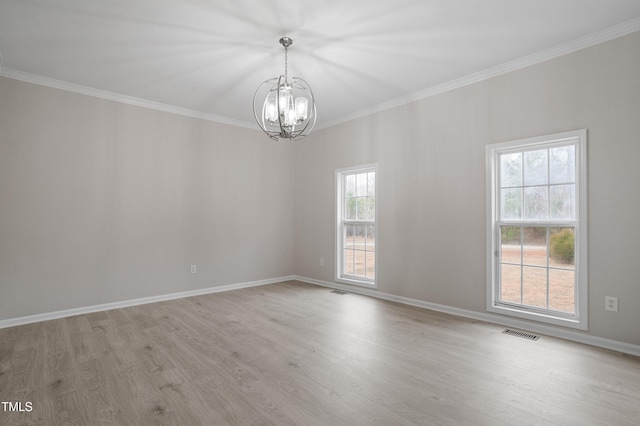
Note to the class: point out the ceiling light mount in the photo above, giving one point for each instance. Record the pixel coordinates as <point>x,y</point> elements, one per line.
<point>286,42</point>
<point>285,108</point>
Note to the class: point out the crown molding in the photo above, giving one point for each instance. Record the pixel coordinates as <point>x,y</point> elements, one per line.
<point>117,97</point>
<point>516,64</point>
<point>589,40</point>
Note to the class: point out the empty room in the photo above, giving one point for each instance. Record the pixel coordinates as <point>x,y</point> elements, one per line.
<point>412,212</point>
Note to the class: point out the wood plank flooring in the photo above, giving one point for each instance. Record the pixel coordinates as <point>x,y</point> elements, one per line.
<point>297,354</point>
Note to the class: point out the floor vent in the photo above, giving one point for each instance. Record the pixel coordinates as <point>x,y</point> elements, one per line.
<point>522,334</point>
<point>338,292</point>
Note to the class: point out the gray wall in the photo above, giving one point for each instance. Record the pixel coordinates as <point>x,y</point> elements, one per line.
<point>103,202</point>
<point>431,156</point>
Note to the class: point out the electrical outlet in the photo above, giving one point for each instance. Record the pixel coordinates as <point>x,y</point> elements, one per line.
<point>193,269</point>
<point>611,303</point>
<point>322,261</point>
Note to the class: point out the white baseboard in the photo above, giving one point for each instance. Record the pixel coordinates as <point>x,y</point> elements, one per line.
<point>574,336</point>
<point>11,322</point>
<point>571,335</point>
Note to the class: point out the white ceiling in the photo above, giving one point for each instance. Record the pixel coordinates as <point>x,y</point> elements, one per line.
<point>208,57</point>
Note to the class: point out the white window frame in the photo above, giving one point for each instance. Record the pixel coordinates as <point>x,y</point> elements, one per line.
<point>579,320</point>
<point>341,276</point>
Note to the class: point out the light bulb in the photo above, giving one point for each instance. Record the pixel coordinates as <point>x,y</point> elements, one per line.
<point>290,117</point>
<point>285,97</point>
<point>302,105</point>
<point>271,112</point>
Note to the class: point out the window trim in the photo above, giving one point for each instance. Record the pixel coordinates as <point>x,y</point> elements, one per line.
<point>580,319</point>
<point>339,243</point>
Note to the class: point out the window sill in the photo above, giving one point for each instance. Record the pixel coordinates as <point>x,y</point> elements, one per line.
<point>547,318</point>
<point>357,282</point>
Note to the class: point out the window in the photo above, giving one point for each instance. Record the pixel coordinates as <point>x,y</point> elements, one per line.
<point>356,225</point>
<point>536,229</point>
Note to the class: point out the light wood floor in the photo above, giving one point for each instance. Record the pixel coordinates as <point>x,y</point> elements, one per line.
<point>297,354</point>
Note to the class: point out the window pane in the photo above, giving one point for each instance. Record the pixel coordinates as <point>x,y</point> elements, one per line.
<point>535,246</point>
<point>510,244</point>
<point>371,208</point>
<point>361,184</point>
<point>349,238</point>
<point>511,204</point>
<point>349,262</point>
<point>350,208</point>
<point>561,290</point>
<point>359,236</point>
<point>371,237</point>
<point>511,170</point>
<point>562,247</point>
<point>563,202</point>
<point>562,164</point>
<point>359,263</point>
<point>510,289</point>
<point>535,202</point>
<point>535,167</point>
<point>361,208</point>
<point>350,185</point>
<point>534,286</point>
<point>371,184</point>
<point>371,265</point>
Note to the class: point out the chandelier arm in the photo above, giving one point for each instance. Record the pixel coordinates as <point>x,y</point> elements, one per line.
<point>313,112</point>
<point>301,133</point>
<point>278,104</point>
<point>261,123</point>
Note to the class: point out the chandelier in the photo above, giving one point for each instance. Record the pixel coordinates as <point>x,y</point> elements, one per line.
<point>283,108</point>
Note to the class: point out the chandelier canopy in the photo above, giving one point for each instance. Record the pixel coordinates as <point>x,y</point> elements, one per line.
<point>285,108</point>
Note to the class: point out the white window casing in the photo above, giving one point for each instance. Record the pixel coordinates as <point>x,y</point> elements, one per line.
<point>530,196</point>
<point>356,225</point>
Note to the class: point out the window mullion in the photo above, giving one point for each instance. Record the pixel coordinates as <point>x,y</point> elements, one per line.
<point>547,262</point>
<point>522,265</point>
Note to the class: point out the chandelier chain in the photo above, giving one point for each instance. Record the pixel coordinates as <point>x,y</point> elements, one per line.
<point>286,65</point>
